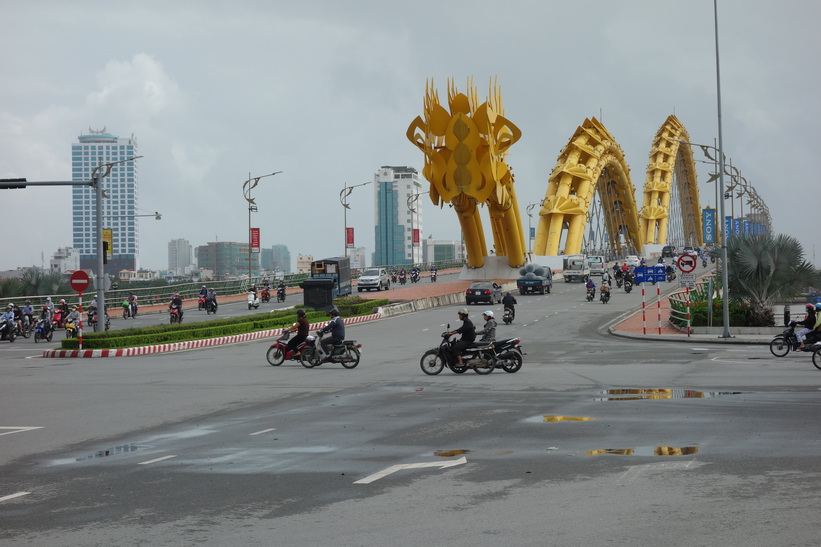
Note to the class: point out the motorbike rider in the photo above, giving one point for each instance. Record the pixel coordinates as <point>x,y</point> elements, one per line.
<point>132,302</point>
<point>63,305</point>
<point>8,317</point>
<point>45,316</point>
<point>74,318</point>
<point>28,312</point>
<point>808,325</point>
<point>489,331</point>
<point>301,328</point>
<point>591,287</point>
<point>606,278</point>
<point>203,292</point>
<point>337,329</point>
<point>211,295</point>
<point>18,317</point>
<point>509,302</point>
<point>468,332</point>
<point>176,300</point>
<point>605,290</point>
<point>281,289</point>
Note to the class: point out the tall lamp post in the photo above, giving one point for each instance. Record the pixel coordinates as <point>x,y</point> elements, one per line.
<point>247,186</point>
<point>343,199</point>
<point>412,199</point>
<point>529,210</point>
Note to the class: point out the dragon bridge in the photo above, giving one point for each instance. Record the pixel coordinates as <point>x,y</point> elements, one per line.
<point>590,204</point>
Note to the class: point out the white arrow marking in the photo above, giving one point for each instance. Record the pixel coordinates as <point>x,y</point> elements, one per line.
<point>17,429</point>
<point>394,468</point>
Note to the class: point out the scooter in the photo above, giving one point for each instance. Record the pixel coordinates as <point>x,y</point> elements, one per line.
<point>210,306</point>
<point>201,302</point>
<point>280,294</point>
<point>265,295</point>
<point>414,276</point>
<point>313,354</point>
<point>403,278</point>
<point>57,319</point>
<point>253,300</point>
<point>591,294</point>
<point>279,352</point>
<point>93,316</point>
<point>72,329</point>
<point>174,314</point>
<point>628,285</point>
<point>605,296</point>
<point>507,316</point>
<point>481,358</point>
<point>433,276</point>
<point>8,330</point>
<point>786,342</point>
<point>509,354</point>
<point>42,330</point>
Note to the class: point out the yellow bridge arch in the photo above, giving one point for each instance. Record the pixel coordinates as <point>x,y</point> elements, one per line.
<point>465,149</point>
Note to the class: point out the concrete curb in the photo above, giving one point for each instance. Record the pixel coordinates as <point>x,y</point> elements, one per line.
<point>191,344</point>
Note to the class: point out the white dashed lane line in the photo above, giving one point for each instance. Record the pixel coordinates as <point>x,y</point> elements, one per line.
<point>157,460</point>
<point>12,496</point>
<point>263,431</point>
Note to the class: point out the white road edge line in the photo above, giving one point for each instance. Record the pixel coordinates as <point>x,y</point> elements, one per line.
<point>157,460</point>
<point>263,431</point>
<point>18,429</point>
<point>12,496</point>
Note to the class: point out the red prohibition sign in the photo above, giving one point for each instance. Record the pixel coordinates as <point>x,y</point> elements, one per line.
<point>687,263</point>
<point>79,281</point>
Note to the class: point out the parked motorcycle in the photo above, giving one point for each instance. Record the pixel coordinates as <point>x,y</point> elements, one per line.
<point>253,300</point>
<point>278,353</point>
<point>174,314</point>
<point>280,294</point>
<point>8,330</point>
<point>509,354</point>
<point>507,316</point>
<point>481,358</point>
<point>42,330</point>
<point>786,342</point>
<point>347,353</point>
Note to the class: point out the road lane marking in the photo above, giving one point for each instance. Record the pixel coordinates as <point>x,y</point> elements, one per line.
<point>12,496</point>
<point>157,460</point>
<point>394,468</point>
<point>263,431</point>
<point>17,429</point>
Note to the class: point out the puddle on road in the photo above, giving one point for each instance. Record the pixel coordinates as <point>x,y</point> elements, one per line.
<point>554,418</point>
<point>113,451</point>
<point>660,393</point>
<point>450,453</point>
<point>646,451</point>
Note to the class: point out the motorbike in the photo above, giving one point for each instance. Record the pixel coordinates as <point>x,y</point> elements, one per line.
<point>591,294</point>
<point>509,354</point>
<point>281,294</point>
<point>8,330</point>
<point>57,319</point>
<point>42,330</point>
<point>414,276</point>
<point>27,326</point>
<point>253,300</point>
<point>93,316</point>
<point>210,306</point>
<point>201,302</point>
<point>712,260</point>
<point>347,353</point>
<point>174,314</point>
<point>507,316</point>
<point>278,353</point>
<point>786,342</point>
<point>72,329</point>
<point>433,276</point>
<point>128,310</point>
<point>619,278</point>
<point>403,278</point>
<point>703,262</point>
<point>265,295</point>
<point>481,358</point>
<point>671,275</point>
<point>605,297</point>
<point>628,285</point>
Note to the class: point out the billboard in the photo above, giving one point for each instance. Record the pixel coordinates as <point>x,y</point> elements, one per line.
<point>708,220</point>
<point>254,240</point>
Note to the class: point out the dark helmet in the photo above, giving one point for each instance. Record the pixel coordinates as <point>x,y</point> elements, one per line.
<point>300,313</point>
<point>810,306</point>
<point>334,312</point>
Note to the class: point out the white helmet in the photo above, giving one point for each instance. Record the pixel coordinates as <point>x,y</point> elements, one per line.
<point>489,313</point>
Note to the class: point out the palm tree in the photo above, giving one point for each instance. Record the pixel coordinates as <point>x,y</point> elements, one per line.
<point>34,282</point>
<point>764,270</point>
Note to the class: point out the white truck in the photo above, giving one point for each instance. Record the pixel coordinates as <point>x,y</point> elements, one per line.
<point>597,264</point>
<point>576,268</point>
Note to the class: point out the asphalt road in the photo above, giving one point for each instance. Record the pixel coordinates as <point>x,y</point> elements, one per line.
<point>660,442</point>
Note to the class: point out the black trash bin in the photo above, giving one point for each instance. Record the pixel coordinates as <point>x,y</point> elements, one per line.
<point>318,293</point>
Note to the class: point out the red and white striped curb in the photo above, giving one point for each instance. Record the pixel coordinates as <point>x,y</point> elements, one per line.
<point>191,344</point>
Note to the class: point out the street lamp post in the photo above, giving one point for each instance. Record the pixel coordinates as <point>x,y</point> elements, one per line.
<point>247,186</point>
<point>412,199</point>
<point>343,199</point>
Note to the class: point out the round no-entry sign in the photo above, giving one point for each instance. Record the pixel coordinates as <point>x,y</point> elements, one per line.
<point>687,263</point>
<point>79,281</point>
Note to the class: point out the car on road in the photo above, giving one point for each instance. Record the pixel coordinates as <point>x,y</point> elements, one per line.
<point>632,261</point>
<point>483,291</point>
<point>690,251</point>
<point>374,278</point>
<point>668,251</point>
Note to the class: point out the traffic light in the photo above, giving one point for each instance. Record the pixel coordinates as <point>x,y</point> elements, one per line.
<point>105,252</point>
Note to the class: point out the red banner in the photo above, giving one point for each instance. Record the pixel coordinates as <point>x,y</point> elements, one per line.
<point>416,236</point>
<point>349,237</point>
<point>254,240</point>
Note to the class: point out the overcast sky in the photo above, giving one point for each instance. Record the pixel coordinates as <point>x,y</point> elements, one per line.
<point>324,91</point>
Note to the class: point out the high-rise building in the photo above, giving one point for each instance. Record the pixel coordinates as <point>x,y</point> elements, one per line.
<point>277,259</point>
<point>119,208</point>
<point>398,212</point>
<point>227,259</point>
<point>180,256</point>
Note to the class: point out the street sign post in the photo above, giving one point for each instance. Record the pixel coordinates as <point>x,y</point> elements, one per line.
<point>79,281</point>
<point>687,280</point>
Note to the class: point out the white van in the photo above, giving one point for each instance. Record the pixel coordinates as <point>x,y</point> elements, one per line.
<point>597,265</point>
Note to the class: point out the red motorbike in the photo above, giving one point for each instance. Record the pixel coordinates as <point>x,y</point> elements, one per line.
<point>265,295</point>
<point>201,302</point>
<point>279,352</point>
<point>58,319</point>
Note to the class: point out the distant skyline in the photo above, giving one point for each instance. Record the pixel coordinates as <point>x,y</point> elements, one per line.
<point>324,91</point>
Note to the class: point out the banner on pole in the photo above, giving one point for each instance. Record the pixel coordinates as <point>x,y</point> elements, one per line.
<point>708,219</point>
<point>254,240</point>
<point>349,240</point>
